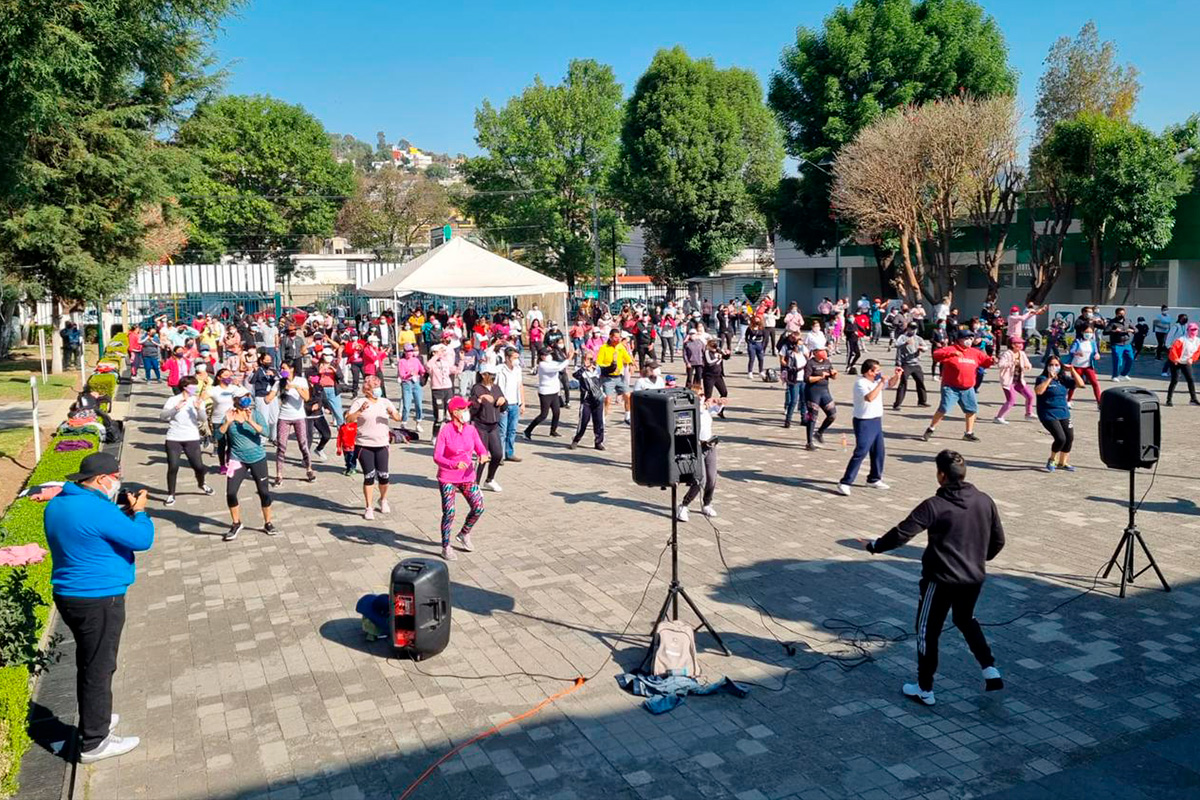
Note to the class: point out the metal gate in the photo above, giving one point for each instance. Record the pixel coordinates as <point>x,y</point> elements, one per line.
<point>143,308</point>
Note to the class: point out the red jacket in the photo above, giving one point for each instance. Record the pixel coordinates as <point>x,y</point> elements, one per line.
<point>959,365</point>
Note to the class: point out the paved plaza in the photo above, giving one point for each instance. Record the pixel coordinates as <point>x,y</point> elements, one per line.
<point>244,670</point>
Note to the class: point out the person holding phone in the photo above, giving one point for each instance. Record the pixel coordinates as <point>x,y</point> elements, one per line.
<point>245,429</point>
<point>458,445</point>
<point>1053,389</point>
<point>868,425</point>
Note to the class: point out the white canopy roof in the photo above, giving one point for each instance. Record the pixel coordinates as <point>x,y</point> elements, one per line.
<point>458,268</point>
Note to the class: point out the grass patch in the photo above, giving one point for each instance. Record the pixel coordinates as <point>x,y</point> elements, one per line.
<point>13,441</point>
<point>24,362</point>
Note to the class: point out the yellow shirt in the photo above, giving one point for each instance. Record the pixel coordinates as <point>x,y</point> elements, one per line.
<point>406,337</point>
<point>613,360</point>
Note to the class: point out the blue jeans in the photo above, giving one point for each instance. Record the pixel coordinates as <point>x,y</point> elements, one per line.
<point>410,399</point>
<point>1122,359</point>
<point>151,365</point>
<point>794,396</point>
<point>868,439</point>
<point>509,417</point>
<point>755,351</point>
<point>335,404</point>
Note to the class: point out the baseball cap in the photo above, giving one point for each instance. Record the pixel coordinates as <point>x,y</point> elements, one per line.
<point>964,335</point>
<point>457,402</point>
<point>1014,309</point>
<point>96,464</point>
<point>488,369</point>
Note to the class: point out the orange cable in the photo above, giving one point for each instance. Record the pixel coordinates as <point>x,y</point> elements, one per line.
<point>580,681</point>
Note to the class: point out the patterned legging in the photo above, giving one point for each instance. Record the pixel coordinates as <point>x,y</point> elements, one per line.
<point>474,499</point>
<point>283,429</point>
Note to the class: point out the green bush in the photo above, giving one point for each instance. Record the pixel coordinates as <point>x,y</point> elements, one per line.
<point>104,383</point>
<point>22,523</point>
<point>33,337</point>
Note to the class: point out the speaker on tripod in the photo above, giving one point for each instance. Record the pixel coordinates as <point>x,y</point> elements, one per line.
<point>665,437</point>
<point>1130,438</point>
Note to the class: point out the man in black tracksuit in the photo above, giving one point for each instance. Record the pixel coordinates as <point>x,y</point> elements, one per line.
<point>964,533</point>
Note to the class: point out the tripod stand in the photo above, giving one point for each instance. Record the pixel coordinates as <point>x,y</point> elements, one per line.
<point>1126,544</point>
<point>676,590</point>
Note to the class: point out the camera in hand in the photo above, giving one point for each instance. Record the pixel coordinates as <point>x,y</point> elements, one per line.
<point>125,502</point>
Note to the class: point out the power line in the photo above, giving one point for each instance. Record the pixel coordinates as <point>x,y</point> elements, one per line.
<point>248,195</point>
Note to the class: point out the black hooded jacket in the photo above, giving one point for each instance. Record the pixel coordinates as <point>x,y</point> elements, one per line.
<point>964,533</point>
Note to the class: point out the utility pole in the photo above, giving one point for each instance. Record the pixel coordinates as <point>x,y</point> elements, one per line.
<point>614,256</point>
<point>595,242</point>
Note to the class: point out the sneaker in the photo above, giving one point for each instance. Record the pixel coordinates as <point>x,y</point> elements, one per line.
<point>928,433</point>
<point>1164,375</point>
<point>384,508</point>
<point>877,485</point>
<point>206,489</point>
<point>465,540</point>
<point>418,429</point>
<point>493,486</point>
<point>270,530</point>
<point>111,747</point>
<point>924,405</point>
<point>448,554</point>
<point>627,416</point>
<point>992,680</point>
<point>1000,421</point>
<point>556,434</point>
<point>970,437</point>
<point>1050,466</point>
<point>233,532</point>
<point>914,691</point>
<point>820,437</point>
<point>787,423</point>
<point>1031,416</point>
<point>113,722</point>
<point>599,447</point>
<point>1068,467</point>
<point>369,513</point>
<point>1194,402</point>
<point>810,446</point>
<point>681,514</point>
<point>843,489</point>
<point>709,512</point>
<point>573,445</point>
<point>515,459</point>
<point>170,501</point>
<point>320,454</point>
<point>347,472</point>
<point>528,437</point>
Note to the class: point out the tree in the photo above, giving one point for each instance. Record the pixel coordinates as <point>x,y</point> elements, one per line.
<point>547,158</point>
<point>438,172</point>
<point>866,60</point>
<point>84,184</point>
<point>265,177</point>
<point>1124,180</point>
<point>391,211</point>
<point>355,151</point>
<point>1082,76</point>
<point>383,150</point>
<point>700,156</point>
<point>923,169</point>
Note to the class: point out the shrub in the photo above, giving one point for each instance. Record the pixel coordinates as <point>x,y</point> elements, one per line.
<point>22,523</point>
<point>104,383</point>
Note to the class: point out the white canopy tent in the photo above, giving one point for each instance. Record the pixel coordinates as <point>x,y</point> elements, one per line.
<point>459,268</point>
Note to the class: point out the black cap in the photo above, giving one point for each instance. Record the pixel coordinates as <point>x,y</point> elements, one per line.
<point>965,335</point>
<point>96,464</point>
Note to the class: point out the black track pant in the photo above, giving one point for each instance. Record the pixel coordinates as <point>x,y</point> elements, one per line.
<point>373,463</point>
<point>591,411</point>
<point>714,382</point>
<point>258,472</point>
<point>320,426</point>
<point>1186,371</point>
<point>1063,433</point>
<point>441,403</point>
<point>175,453</point>
<point>1161,349</point>
<point>95,624</point>
<point>489,432</point>
<point>918,376</point>
<point>549,405</point>
<point>937,599</point>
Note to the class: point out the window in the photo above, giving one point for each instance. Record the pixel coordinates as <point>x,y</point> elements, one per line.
<point>824,278</point>
<point>1024,276</point>
<point>977,278</point>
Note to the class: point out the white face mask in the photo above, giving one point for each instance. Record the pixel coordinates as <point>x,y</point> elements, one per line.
<point>463,416</point>
<point>113,490</point>
<point>1054,369</point>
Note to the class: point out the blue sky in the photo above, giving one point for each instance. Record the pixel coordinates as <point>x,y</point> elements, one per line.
<point>420,71</point>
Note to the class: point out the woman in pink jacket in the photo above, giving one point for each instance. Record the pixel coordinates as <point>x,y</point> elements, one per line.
<point>409,369</point>
<point>442,367</point>
<point>458,444</point>
<point>1014,366</point>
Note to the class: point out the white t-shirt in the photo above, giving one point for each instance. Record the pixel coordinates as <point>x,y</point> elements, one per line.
<point>864,409</point>
<point>223,397</point>
<point>548,382</point>
<point>291,406</point>
<point>183,418</point>
<point>1083,355</point>
<point>509,380</point>
<point>534,313</point>
<point>649,383</point>
<point>815,341</point>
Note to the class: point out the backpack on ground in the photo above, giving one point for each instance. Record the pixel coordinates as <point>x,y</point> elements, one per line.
<point>771,376</point>
<point>674,650</point>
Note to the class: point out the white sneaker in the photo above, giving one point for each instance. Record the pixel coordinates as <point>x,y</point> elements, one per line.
<point>843,489</point>
<point>111,747</point>
<point>877,485</point>
<point>113,722</point>
<point>492,486</point>
<point>384,508</point>
<point>418,428</point>
<point>369,513</point>
<point>449,554</point>
<point>465,540</point>
<point>914,691</point>
<point>320,454</point>
<point>709,511</point>
<point>1000,421</point>
<point>170,501</point>
<point>992,680</point>
<point>681,514</point>
<point>626,417</point>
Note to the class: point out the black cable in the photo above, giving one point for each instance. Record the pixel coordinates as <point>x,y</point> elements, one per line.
<point>535,675</point>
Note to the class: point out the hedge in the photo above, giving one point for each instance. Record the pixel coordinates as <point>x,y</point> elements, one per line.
<point>22,524</point>
<point>104,383</point>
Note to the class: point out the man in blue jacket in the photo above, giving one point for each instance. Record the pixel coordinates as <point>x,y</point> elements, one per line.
<point>92,542</point>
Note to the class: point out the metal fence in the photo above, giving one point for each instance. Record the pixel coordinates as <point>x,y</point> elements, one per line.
<point>143,308</point>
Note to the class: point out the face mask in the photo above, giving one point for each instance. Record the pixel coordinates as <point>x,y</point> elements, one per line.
<point>113,490</point>
<point>192,389</point>
<point>327,359</point>
<point>201,369</point>
<point>1087,336</point>
<point>377,391</point>
<point>463,416</point>
<point>1054,369</point>
<point>226,380</point>
<point>283,373</point>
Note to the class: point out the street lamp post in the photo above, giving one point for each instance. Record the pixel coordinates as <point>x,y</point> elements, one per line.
<point>837,238</point>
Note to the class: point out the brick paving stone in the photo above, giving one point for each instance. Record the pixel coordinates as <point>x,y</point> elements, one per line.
<point>244,669</point>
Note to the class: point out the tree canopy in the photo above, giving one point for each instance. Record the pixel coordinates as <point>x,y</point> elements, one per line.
<point>547,154</point>
<point>265,177</point>
<point>391,211</point>
<point>867,59</point>
<point>1082,76</point>
<point>700,155</point>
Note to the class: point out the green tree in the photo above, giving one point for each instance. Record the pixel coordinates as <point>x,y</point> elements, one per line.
<point>84,184</point>
<point>870,58</point>
<point>1125,180</point>
<point>1082,75</point>
<point>547,156</point>
<point>438,172</point>
<point>352,150</point>
<point>265,178</point>
<point>391,211</point>
<point>700,158</point>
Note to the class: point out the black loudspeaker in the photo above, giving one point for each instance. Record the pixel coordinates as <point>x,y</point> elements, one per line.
<point>665,433</point>
<point>1130,427</point>
<point>420,607</point>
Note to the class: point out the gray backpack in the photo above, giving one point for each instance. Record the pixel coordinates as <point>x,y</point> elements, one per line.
<point>674,650</point>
